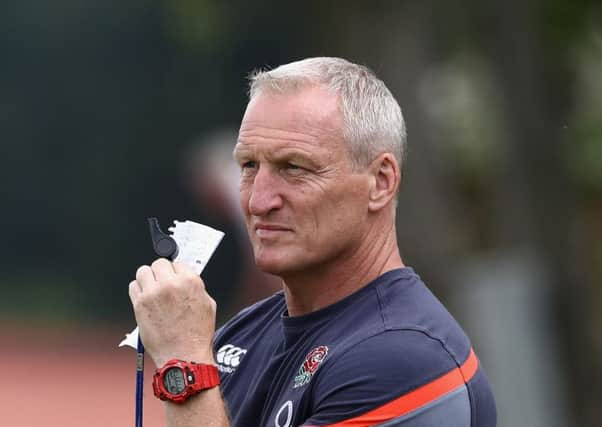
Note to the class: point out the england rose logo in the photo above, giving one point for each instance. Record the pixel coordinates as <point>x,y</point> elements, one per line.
<point>311,363</point>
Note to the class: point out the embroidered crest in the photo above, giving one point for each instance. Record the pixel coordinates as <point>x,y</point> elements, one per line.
<point>311,363</point>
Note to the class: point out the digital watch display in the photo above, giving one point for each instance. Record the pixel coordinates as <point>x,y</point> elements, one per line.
<point>177,380</point>
<point>174,381</point>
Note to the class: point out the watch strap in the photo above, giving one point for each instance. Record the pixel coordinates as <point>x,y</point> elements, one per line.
<point>206,376</point>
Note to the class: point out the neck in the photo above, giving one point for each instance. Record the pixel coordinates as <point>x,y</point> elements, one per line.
<point>323,285</point>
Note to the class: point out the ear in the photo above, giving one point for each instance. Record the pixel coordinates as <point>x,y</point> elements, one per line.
<point>385,181</point>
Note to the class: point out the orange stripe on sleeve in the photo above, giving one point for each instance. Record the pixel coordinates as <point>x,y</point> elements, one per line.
<point>418,397</point>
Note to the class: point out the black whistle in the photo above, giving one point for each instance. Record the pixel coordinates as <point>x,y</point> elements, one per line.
<point>164,245</point>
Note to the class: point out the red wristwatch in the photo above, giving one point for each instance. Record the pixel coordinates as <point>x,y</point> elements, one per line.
<point>177,380</point>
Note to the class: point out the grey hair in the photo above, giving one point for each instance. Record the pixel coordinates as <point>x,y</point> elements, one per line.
<point>373,122</point>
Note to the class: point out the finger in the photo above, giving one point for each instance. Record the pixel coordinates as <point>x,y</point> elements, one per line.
<point>183,269</point>
<point>163,270</point>
<point>145,277</point>
<point>188,272</point>
<point>134,291</point>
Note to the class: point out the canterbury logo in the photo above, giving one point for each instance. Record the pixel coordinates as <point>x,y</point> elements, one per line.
<point>228,357</point>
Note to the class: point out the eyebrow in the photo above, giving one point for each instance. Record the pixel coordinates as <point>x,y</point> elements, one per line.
<point>278,155</point>
<point>240,152</point>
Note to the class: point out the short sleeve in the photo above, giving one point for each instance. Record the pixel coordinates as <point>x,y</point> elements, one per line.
<point>398,377</point>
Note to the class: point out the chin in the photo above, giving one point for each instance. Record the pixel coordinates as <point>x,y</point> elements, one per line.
<point>271,266</point>
<point>276,264</point>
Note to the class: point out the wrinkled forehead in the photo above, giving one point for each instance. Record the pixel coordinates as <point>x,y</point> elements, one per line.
<point>313,109</point>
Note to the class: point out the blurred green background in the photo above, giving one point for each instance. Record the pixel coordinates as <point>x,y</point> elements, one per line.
<point>106,108</point>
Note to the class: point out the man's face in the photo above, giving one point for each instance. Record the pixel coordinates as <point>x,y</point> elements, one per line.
<point>304,206</point>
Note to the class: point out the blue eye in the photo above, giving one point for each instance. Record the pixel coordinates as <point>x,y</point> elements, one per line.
<point>247,165</point>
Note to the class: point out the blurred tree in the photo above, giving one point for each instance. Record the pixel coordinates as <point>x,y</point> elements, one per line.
<point>524,197</point>
<point>98,101</point>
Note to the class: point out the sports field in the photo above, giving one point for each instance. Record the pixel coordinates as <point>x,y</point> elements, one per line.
<point>77,378</point>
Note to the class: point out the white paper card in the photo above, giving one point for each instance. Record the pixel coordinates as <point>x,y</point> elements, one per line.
<point>196,244</point>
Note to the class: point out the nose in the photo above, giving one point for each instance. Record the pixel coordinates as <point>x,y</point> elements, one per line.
<point>265,194</point>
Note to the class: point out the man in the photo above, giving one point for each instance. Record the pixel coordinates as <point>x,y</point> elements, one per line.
<point>354,338</point>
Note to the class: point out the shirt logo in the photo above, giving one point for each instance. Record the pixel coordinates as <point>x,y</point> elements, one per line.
<point>311,363</point>
<point>228,358</point>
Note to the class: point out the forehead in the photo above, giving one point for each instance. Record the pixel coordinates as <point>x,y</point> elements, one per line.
<point>305,118</point>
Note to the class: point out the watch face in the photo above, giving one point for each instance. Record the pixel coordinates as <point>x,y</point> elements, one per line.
<point>173,380</point>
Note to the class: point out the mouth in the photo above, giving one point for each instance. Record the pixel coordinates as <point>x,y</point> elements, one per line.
<point>270,230</point>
